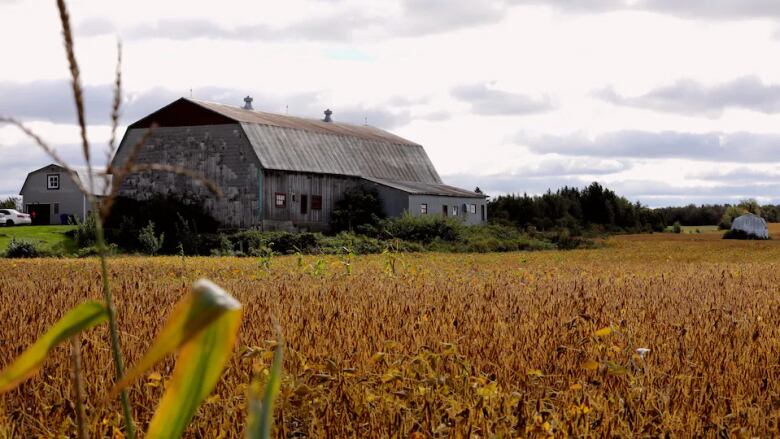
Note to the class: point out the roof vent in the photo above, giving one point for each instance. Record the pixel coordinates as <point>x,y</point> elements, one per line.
<point>248,103</point>
<point>327,116</point>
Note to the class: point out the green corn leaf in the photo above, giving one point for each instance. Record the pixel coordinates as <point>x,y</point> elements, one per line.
<point>204,326</point>
<point>80,318</point>
<point>261,413</point>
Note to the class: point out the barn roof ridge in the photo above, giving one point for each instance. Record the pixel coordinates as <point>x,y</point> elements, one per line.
<point>240,114</point>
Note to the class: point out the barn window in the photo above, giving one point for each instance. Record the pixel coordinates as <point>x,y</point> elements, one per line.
<point>316,202</point>
<point>281,199</point>
<point>423,208</point>
<point>53,181</point>
<point>56,208</point>
<point>473,208</point>
<point>454,210</point>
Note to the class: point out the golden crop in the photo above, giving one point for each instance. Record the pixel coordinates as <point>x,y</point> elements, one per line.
<point>501,345</point>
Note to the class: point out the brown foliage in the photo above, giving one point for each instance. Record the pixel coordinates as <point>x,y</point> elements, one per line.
<point>521,344</point>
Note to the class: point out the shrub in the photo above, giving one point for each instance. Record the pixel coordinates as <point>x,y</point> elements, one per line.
<point>84,232</point>
<point>182,221</point>
<point>22,249</point>
<point>422,229</point>
<point>677,228</point>
<point>85,252</point>
<point>150,242</point>
<point>359,208</point>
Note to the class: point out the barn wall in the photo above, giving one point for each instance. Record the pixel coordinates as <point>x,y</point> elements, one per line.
<point>394,202</point>
<point>220,152</point>
<point>294,185</point>
<point>436,204</point>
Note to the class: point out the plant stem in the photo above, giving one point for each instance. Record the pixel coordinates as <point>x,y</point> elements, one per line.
<point>75,357</point>
<point>115,347</point>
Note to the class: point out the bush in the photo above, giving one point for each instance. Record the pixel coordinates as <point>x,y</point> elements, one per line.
<point>84,234</point>
<point>422,229</point>
<point>677,228</point>
<point>22,249</point>
<point>183,222</point>
<point>150,243</point>
<point>85,252</point>
<point>359,209</point>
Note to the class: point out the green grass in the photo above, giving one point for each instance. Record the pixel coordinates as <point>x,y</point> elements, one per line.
<point>695,229</point>
<point>46,237</point>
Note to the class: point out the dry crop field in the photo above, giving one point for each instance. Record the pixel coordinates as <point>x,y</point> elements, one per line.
<point>499,345</point>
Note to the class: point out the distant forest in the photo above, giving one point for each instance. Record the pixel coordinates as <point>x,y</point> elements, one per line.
<point>599,209</point>
<point>720,214</point>
<point>592,209</point>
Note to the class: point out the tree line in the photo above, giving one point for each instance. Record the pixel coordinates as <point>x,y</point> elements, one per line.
<point>593,208</point>
<point>720,214</point>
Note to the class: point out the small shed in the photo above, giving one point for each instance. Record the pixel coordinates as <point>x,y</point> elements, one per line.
<point>751,224</point>
<point>52,197</point>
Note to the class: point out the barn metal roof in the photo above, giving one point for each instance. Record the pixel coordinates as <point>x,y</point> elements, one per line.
<point>297,144</point>
<point>306,151</point>
<point>418,188</point>
<point>240,114</point>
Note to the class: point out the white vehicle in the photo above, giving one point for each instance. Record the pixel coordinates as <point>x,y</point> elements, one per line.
<point>11,217</point>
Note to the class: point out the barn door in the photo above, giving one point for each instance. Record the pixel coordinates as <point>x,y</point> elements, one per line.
<point>304,204</point>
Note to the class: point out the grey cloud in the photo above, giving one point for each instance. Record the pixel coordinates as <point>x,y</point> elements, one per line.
<point>741,175</point>
<point>500,184</point>
<point>649,193</point>
<point>52,101</point>
<point>489,101</point>
<point>436,116</point>
<point>331,28</point>
<point>376,117</point>
<point>417,17</point>
<point>433,16</point>
<point>95,26</point>
<point>20,158</point>
<point>704,9</point>
<point>537,178</point>
<point>688,96</point>
<point>658,194</point>
<point>728,147</point>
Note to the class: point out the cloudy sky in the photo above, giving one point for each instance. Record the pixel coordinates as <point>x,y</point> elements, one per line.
<point>666,101</point>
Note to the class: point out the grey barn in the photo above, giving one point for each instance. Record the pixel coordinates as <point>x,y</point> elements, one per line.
<point>50,195</point>
<point>285,172</point>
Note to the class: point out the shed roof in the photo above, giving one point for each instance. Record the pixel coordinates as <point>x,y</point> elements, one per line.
<point>417,188</point>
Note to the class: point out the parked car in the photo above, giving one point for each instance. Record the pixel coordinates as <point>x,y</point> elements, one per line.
<point>11,217</point>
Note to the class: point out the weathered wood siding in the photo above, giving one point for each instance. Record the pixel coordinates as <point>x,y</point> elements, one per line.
<point>330,187</point>
<point>220,152</point>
